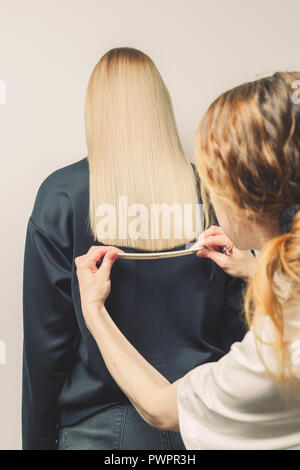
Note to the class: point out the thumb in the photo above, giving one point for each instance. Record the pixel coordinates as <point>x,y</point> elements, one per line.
<point>108,261</point>
<point>199,242</point>
<point>219,258</point>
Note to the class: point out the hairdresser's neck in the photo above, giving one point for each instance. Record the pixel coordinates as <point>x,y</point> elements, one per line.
<point>263,234</point>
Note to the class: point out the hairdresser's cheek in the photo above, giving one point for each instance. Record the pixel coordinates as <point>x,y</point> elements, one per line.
<point>233,232</point>
<point>225,224</point>
<point>239,243</point>
<point>240,240</point>
<point>222,213</point>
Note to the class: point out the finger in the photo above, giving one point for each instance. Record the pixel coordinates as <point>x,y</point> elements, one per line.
<point>218,240</point>
<point>203,253</point>
<point>213,230</point>
<point>216,256</point>
<point>78,260</point>
<point>92,257</point>
<point>108,261</point>
<point>198,243</point>
<point>219,258</point>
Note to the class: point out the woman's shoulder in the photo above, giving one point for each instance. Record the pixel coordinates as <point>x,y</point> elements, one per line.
<point>65,178</point>
<point>58,193</point>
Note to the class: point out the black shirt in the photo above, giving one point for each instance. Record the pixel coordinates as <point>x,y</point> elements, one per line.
<point>178,313</point>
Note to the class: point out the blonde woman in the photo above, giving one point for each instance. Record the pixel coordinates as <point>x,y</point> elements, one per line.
<point>135,160</point>
<point>248,155</point>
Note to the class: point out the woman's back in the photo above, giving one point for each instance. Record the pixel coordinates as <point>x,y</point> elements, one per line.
<point>178,312</point>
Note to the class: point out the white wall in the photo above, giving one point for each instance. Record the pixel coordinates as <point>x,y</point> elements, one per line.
<point>47,51</point>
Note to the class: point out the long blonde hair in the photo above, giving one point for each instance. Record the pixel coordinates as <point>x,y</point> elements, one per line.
<point>133,145</point>
<point>248,154</point>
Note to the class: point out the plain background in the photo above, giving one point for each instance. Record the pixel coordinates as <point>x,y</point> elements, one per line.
<point>48,49</point>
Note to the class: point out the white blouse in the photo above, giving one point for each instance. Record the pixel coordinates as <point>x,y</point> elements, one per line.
<point>235,403</point>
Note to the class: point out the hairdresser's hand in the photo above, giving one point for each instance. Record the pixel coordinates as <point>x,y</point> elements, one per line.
<point>236,263</point>
<point>94,282</point>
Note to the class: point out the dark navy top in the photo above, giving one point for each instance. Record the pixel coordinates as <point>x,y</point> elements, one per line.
<point>178,313</point>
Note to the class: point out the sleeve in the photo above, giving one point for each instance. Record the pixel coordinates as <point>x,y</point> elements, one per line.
<point>232,404</point>
<point>49,324</point>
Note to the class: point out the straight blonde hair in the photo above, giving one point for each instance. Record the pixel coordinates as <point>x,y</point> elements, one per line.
<point>133,146</point>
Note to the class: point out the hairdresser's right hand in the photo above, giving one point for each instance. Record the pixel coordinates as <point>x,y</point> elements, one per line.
<point>237,263</point>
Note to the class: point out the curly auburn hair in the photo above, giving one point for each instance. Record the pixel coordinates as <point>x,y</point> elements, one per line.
<point>247,153</point>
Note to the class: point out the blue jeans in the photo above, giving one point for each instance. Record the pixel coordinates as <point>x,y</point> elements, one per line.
<point>117,427</point>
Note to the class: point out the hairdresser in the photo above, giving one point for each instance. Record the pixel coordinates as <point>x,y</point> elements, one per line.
<point>248,157</point>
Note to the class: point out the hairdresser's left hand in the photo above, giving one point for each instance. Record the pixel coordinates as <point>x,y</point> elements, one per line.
<point>94,282</point>
<point>235,262</point>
